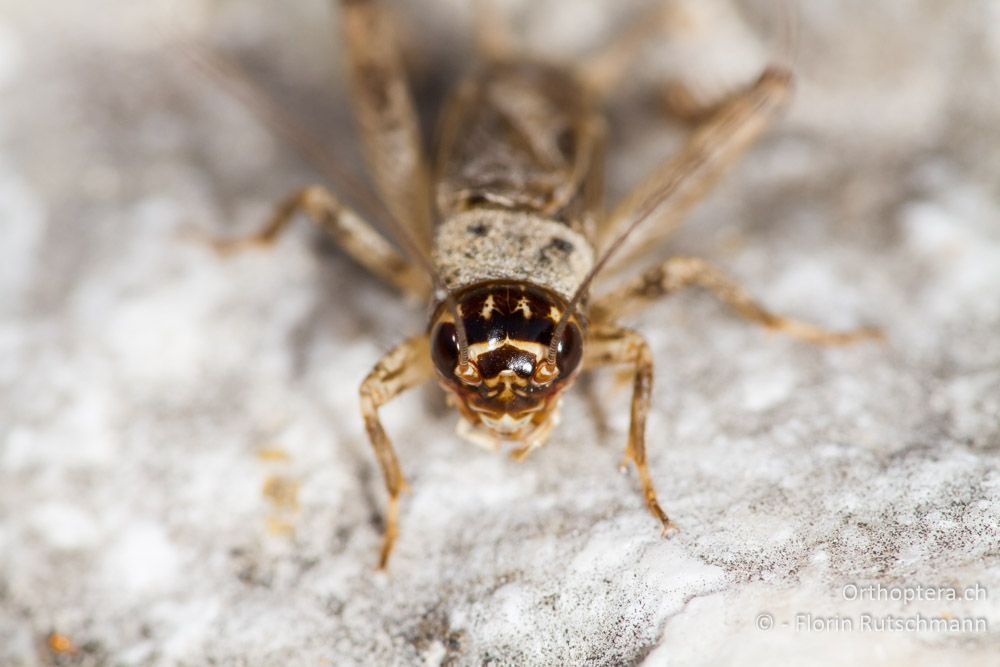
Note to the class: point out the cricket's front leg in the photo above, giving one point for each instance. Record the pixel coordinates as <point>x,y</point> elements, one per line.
<point>608,344</point>
<point>404,367</point>
<point>679,272</point>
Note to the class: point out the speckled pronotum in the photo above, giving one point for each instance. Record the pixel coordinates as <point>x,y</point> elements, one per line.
<point>507,231</point>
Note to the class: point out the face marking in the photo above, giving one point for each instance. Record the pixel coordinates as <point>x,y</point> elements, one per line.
<point>488,307</point>
<point>516,360</point>
<point>508,341</point>
<point>524,307</point>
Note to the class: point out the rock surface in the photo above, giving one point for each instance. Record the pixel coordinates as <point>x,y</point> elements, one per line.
<point>184,479</point>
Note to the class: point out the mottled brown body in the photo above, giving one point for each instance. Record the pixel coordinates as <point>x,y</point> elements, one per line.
<point>519,178</point>
<point>510,238</point>
<point>518,185</point>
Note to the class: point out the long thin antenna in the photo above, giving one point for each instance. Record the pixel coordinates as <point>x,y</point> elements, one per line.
<point>649,207</point>
<point>696,160</point>
<point>241,87</point>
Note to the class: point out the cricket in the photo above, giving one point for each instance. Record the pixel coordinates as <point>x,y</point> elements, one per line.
<point>505,233</point>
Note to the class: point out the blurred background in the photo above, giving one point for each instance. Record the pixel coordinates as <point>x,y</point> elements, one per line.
<point>183,473</point>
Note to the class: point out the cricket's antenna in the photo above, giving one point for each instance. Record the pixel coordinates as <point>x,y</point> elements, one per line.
<point>696,161</point>
<point>242,88</point>
<point>651,205</point>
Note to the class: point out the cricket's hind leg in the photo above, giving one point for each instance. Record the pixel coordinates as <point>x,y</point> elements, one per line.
<point>387,118</point>
<point>669,193</point>
<point>354,235</point>
<point>694,84</point>
<point>601,72</point>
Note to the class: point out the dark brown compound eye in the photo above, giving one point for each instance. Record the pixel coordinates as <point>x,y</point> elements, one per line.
<point>444,354</point>
<point>568,355</point>
<point>570,351</point>
<point>444,349</point>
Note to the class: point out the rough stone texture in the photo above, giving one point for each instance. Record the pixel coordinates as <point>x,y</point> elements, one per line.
<point>183,475</point>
